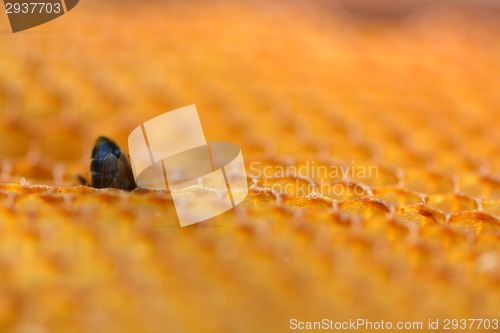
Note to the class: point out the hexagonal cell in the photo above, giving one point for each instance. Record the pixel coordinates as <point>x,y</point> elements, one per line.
<point>365,208</point>
<point>428,182</point>
<point>442,235</point>
<point>452,202</point>
<point>288,186</point>
<point>487,187</point>
<point>301,202</point>
<point>397,196</point>
<point>451,162</point>
<point>474,222</point>
<point>403,157</point>
<point>374,175</point>
<point>420,214</point>
<point>352,152</point>
<point>344,191</point>
<point>320,172</point>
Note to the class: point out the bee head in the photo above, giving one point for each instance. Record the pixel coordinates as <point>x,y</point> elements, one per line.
<point>104,146</point>
<point>109,167</point>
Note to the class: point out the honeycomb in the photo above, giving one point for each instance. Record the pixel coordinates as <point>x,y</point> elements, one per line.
<point>292,84</point>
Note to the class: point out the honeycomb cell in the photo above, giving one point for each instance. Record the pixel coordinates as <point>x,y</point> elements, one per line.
<point>340,191</point>
<point>259,197</point>
<point>480,186</point>
<point>320,172</point>
<point>453,163</point>
<point>301,202</point>
<point>374,175</point>
<point>452,203</point>
<point>420,214</point>
<point>428,182</point>
<point>289,186</point>
<point>400,156</point>
<point>349,152</point>
<point>397,196</point>
<point>365,208</point>
<point>474,222</point>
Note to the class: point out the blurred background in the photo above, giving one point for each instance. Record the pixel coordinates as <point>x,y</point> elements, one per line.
<point>407,86</point>
<point>356,65</point>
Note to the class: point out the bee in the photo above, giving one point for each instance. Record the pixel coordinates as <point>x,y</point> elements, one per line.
<point>109,167</point>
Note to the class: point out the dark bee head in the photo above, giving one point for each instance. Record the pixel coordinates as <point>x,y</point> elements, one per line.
<point>109,167</point>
